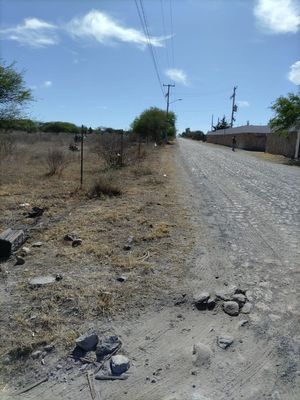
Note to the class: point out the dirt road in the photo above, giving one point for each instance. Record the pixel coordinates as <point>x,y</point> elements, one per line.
<point>244,214</point>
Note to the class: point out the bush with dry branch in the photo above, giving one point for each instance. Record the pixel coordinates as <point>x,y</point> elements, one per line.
<point>56,161</point>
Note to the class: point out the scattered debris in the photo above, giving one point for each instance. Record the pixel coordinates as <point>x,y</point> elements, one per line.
<point>202,355</point>
<point>41,281</point>
<point>119,364</point>
<point>111,377</point>
<point>90,378</point>
<point>87,342</point>
<point>35,212</point>
<point>243,322</point>
<point>224,341</point>
<point>33,385</point>
<point>10,241</point>
<point>231,308</point>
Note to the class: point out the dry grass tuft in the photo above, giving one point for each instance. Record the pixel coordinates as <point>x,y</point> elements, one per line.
<point>56,161</point>
<point>159,231</point>
<point>105,186</point>
<point>142,170</point>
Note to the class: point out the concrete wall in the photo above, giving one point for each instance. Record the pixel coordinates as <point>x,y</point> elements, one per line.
<point>246,141</point>
<point>284,145</point>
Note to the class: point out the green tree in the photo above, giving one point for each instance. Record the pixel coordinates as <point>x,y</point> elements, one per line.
<point>287,114</point>
<point>155,124</point>
<point>223,124</point>
<point>59,126</point>
<point>13,93</point>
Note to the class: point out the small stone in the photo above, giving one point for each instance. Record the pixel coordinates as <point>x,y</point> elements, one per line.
<point>58,277</point>
<point>128,245</point>
<point>202,354</point>
<point>37,244</point>
<point>222,295</point>
<point>243,322</point>
<point>20,260</point>
<point>76,242</point>
<point>119,364</point>
<point>239,298</point>
<point>49,347</point>
<point>107,345</point>
<point>69,237</point>
<point>35,212</point>
<point>59,366</point>
<point>87,342</point>
<point>211,302</point>
<point>122,278</point>
<point>249,295</point>
<point>200,300</point>
<point>231,308</point>
<point>246,309</point>
<point>25,251</point>
<point>224,341</point>
<point>36,354</point>
<point>41,281</point>
<point>240,291</point>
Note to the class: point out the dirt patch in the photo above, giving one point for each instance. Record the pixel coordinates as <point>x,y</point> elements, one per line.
<point>87,290</point>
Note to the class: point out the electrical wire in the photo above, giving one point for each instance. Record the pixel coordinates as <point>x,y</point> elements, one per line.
<point>143,19</point>
<point>164,31</point>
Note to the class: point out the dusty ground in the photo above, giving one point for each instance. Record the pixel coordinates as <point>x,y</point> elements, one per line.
<point>233,222</point>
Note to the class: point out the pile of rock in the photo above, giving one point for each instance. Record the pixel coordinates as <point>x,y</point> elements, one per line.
<point>105,349</point>
<point>232,302</point>
<point>74,238</point>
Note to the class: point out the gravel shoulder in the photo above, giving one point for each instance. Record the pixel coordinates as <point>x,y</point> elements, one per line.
<point>240,216</point>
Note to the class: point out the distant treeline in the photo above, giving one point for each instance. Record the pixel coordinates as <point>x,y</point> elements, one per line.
<point>195,135</point>
<point>30,126</point>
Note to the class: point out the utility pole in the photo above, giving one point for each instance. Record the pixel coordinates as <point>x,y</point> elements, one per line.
<point>81,157</point>
<point>234,106</point>
<point>168,103</point>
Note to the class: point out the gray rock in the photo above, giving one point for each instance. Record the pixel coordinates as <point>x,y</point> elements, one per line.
<point>37,244</point>
<point>87,342</point>
<point>41,281</point>
<point>231,308</point>
<point>249,295</point>
<point>243,322</point>
<point>24,251</point>
<point>223,295</point>
<point>122,278</point>
<point>240,291</point>
<point>224,341</point>
<point>129,243</point>
<point>202,355</point>
<point>239,298</point>
<point>211,302</point>
<point>76,242</point>
<point>107,345</point>
<point>200,300</point>
<point>246,309</point>
<point>36,354</point>
<point>20,260</point>
<point>119,364</point>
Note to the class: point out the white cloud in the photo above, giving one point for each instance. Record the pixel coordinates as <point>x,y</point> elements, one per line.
<point>32,32</point>
<point>294,74</point>
<point>105,30</point>
<point>278,16</point>
<point>47,84</point>
<point>243,103</point>
<point>177,75</point>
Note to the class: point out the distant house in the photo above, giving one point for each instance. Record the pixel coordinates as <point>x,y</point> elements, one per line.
<point>248,137</point>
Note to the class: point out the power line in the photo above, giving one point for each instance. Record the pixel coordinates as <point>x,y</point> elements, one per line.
<point>164,31</point>
<point>142,16</point>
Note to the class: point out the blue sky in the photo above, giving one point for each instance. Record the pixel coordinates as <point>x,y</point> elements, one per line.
<point>88,62</point>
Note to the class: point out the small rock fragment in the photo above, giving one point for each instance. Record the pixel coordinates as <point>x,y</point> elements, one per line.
<point>246,309</point>
<point>87,342</point>
<point>58,277</point>
<point>37,244</point>
<point>239,298</point>
<point>122,278</point>
<point>41,281</point>
<point>202,354</point>
<point>35,212</point>
<point>211,302</point>
<point>36,354</point>
<point>243,322</point>
<point>76,242</point>
<point>119,364</point>
<point>200,300</point>
<point>231,308</point>
<point>20,260</point>
<point>49,347</point>
<point>107,345</point>
<point>129,243</point>
<point>24,251</point>
<point>224,341</point>
<point>222,295</point>
<point>249,295</point>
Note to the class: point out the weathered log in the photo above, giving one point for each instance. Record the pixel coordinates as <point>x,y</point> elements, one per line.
<point>10,241</point>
